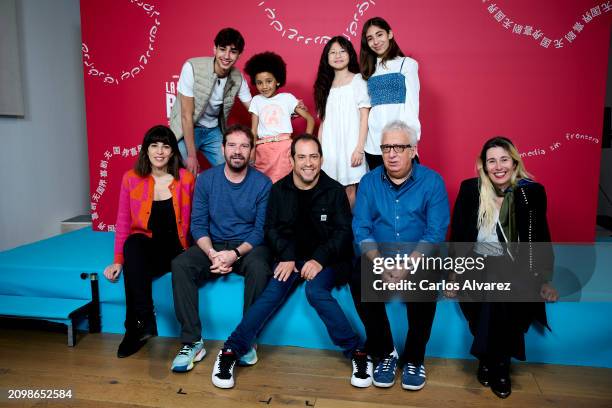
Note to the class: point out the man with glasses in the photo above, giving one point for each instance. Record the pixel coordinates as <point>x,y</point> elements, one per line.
<point>227,220</point>
<point>404,205</point>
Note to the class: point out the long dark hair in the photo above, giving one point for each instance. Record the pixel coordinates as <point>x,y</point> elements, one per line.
<point>367,57</point>
<point>325,75</point>
<point>163,134</point>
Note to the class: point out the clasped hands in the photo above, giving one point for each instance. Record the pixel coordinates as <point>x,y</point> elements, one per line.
<point>222,261</point>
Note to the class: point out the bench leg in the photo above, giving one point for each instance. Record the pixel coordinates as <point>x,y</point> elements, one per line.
<point>93,314</point>
<point>71,333</point>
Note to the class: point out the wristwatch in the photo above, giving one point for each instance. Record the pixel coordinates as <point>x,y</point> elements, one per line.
<point>237,252</point>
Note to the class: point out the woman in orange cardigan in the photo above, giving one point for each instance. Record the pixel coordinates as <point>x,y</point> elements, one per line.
<point>152,228</point>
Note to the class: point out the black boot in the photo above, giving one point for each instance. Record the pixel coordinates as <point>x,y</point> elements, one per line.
<point>130,344</point>
<point>147,326</point>
<point>136,335</point>
<point>500,379</point>
<point>483,373</point>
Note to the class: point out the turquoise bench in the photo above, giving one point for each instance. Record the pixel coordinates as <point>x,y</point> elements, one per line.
<point>581,332</point>
<point>65,311</point>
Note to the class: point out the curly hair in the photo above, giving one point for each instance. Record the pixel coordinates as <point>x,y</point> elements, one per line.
<point>325,75</point>
<point>267,62</point>
<point>367,57</point>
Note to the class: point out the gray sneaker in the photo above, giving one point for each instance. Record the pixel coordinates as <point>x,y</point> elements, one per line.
<point>189,354</point>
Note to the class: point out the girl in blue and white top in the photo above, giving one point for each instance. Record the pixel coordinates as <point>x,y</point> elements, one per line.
<point>393,85</point>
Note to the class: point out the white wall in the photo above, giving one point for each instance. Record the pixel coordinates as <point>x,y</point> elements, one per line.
<point>43,157</point>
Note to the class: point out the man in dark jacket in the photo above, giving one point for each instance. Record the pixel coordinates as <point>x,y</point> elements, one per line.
<point>308,229</point>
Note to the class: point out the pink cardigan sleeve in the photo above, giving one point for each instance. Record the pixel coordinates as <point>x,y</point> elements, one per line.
<point>124,219</point>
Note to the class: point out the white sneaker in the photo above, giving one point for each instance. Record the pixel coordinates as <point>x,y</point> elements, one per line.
<point>362,369</point>
<point>223,370</point>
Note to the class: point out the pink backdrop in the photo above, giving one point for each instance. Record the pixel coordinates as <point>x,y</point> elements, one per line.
<point>532,71</point>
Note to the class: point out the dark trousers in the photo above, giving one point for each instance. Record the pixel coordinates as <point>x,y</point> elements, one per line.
<point>192,268</point>
<point>144,259</point>
<point>318,294</point>
<point>379,340</point>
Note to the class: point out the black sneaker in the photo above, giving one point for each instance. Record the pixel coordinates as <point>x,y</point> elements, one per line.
<point>362,369</point>
<point>223,370</point>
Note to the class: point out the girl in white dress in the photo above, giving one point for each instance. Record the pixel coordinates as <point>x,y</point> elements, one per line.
<point>342,103</point>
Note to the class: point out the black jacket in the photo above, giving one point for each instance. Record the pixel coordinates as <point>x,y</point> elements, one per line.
<point>530,207</point>
<point>331,215</point>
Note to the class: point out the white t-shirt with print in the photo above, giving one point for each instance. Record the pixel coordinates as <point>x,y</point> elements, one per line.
<point>274,113</point>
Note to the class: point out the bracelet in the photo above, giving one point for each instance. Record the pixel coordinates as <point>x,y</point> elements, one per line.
<point>237,252</point>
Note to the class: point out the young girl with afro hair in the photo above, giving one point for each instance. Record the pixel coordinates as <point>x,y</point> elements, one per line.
<point>271,115</point>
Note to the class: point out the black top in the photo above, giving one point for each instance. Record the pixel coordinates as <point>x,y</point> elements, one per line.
<point>162,224</point>
<point>306,237</point>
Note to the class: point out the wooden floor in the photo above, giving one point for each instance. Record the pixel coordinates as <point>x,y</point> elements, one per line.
<point>285,376</point>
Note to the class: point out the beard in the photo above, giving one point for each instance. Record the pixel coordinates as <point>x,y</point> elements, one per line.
<point>237,167</point>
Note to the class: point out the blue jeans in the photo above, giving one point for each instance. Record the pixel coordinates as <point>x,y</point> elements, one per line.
<point>208,141</point>
<point>318,293</point>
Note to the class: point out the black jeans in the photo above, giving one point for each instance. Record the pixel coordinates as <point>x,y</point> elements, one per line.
<point>144,259</point>
<point>379,341</point>
<point>192,268</point>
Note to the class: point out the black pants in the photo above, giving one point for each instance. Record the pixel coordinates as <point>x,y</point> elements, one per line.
<point>192,268</point>
<point>499,326</point>
<point>379,340</point>
<point>144,259</point>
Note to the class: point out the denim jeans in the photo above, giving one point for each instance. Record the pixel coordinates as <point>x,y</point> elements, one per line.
<point>318,293</point>
<point>208,141</point>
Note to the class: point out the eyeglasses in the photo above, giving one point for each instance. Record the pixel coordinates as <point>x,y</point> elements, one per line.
<point>397,148</point>
<point>337,53</point>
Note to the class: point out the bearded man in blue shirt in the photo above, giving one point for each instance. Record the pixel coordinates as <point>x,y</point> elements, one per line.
<point>405,205</point>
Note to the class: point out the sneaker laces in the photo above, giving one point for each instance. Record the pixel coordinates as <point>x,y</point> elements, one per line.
<point>386,363</point>
<point>411,368</point>
<point>227,359</point>
<point>360,360</point>
<point>186,349</point>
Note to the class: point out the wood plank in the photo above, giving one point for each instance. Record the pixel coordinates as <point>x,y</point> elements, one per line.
<point>285,376</point>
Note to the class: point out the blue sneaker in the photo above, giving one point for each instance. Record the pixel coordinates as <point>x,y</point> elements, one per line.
<point>249,359</point>
<point>413,377</point>
<point>189,354</point>
<point>384,374</point>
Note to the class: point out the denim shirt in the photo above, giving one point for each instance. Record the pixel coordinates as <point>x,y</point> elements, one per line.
<point>415,212</point>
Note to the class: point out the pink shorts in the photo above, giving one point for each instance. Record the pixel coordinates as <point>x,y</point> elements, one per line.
<point>272,159</point>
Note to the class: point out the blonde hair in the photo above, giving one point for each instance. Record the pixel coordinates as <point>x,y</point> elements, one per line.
<point>486,208</point>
